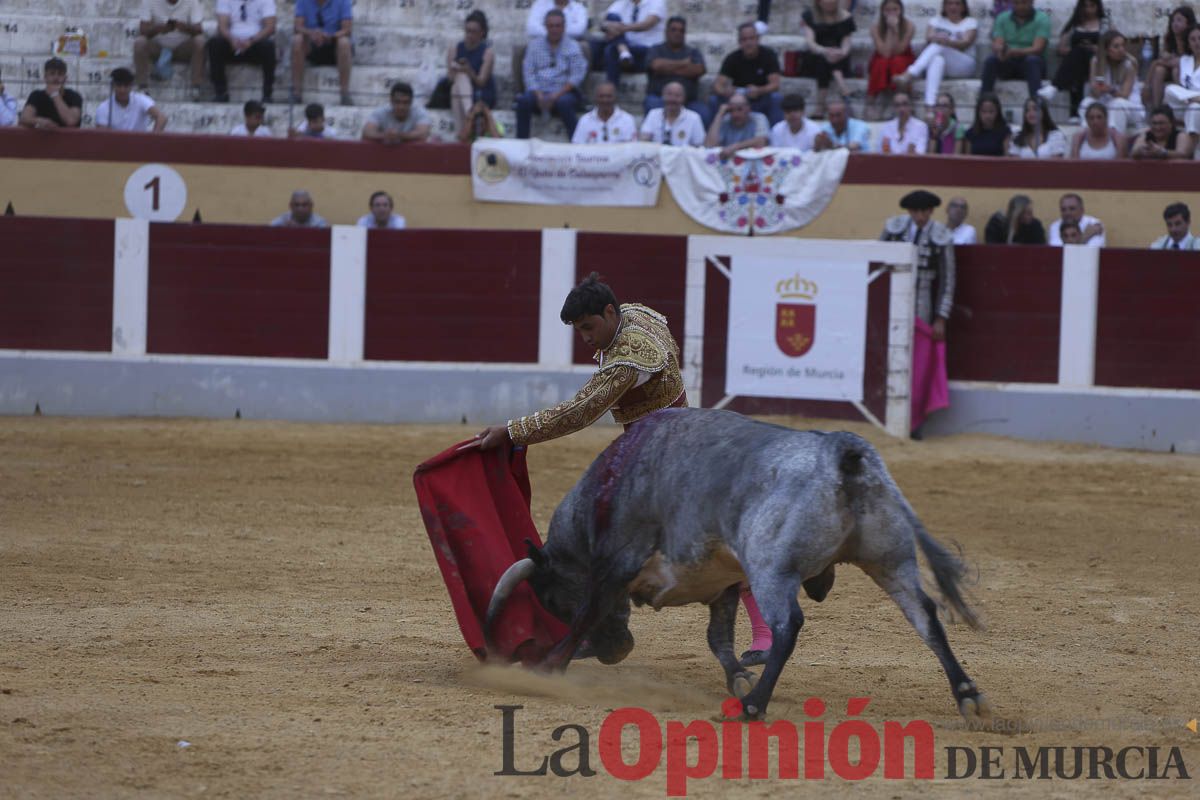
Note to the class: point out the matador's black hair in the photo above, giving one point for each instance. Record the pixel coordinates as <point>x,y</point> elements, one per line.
<point>589,297</point>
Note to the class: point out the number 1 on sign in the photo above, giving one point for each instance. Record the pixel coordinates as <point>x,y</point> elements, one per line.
<point>153,186</point>
<point>155,192</point>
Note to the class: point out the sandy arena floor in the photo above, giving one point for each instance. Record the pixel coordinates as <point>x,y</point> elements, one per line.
<point>266,593</point>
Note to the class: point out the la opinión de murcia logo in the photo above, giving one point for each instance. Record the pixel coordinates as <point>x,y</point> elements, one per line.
<point>734,749</point>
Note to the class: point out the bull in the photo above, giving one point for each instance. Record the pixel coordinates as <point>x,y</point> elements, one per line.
<point>688,503</point>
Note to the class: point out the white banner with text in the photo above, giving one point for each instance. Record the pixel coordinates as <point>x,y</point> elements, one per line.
<point>547,173</point>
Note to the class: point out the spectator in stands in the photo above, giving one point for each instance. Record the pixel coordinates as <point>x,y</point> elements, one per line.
<point>9,112</point>
<point>1019,41</point>
<point>169,31</point>
<point>631,28</point>
<point>244,35</point>
<point>480,124</point>
<point>795,131</point>
<point>606,123</point>
<point>764,14</point>
<point>56,106</point>
<point>751,71</point>
<point>1070,206</point>
<point>945,131</point>
<point>1113,78</point>
<point>989,135</point>
<point>1078,42</point>
<point>674,60</point>
<point>1162,139</point>
<point>253,114</point>
<point>1039,137</point>
<point>1179,219</point>
<point>300,213</point>
<point>892,35</point>
<point>575,19</point>
<point>956,221</point>
<point>673,123</point>
<point>381,215</point>
<point>399,122</point>
<point>842,130</point>
<point>1018,226</point>
<point>827,27</point>
<point>322,37</point>
<point>737,127</point>
<point>1098,141</point>
<point>905,134</point>
<point>471,62</point>
<point>554,70</point>
<point>127,110</point>
<point>313,126</point>
<point>1174,45</point>
<point>1184,93</point>
<point>1071,234</point>
<point>949,50</point>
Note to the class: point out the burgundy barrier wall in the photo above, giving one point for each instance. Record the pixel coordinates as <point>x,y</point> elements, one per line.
<point>447,295</point>
<point>1004,327</point>
<point>651,270</point>
<point>56,284</point>
<point>238,291</point>
<point>1148,321</point>
<point>716,336</point>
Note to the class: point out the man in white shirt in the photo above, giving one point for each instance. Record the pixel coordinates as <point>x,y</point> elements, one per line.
<point>244,31</point>
<point>904,135</point>
<point>794,130</point>
<point>1178,218</point>
<point>170,30</point>
<point>631,28</point>
<point>253,112</point>
<point>672,123</point>
<point>127,110</point>
<point>606,123</point>
<point>300,213</point>
<point>956,222</point>
<point>1070,205</point>
<point>381,215</point>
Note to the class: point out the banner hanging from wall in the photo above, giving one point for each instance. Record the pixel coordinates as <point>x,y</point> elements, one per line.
<point>533,171</point>
<point>757,191</point>
<point>797,328</point>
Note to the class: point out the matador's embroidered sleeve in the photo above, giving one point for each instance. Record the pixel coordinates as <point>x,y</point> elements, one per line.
<point>597,396</point>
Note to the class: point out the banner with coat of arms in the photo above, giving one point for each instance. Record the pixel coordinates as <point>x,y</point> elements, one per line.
<point>533,171</point>
<point>797,329</point>
<point>756,191</point>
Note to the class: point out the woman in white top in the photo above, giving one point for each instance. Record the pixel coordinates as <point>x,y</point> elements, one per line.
<point>1184,94</point>
<point>1098,141</point>
<point>949,49</point>
<point>1039,136</point>
<point>1114,83</point>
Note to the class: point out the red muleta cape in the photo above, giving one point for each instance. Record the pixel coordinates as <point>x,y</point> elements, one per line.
<point>475,505</point>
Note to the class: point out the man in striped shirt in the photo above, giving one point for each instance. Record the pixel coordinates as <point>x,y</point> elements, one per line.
<point>554,69</point>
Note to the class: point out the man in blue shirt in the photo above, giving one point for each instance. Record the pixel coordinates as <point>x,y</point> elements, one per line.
<point>554,69</point>
<point>842,130</point>
<point>322,37</point>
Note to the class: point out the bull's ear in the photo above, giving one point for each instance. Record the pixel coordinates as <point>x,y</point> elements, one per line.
<point>535,554</point>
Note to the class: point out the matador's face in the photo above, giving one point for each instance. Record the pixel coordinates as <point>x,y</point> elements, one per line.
<point>598,330</point>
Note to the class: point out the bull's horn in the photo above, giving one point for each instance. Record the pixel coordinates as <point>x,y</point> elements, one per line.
<point>512,577</point>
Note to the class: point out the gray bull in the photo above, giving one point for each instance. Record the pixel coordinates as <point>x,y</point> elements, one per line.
<point>690,502</point>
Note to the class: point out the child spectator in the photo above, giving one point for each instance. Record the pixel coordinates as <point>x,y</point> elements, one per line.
<point>1070,233</point>
<point>470,65</point>
<point>949,50</point>
<point>828,28</point>
<point>313,126</point>
<point>1184,93</point>
<point>480,124</point>
<point>253,113</point>
<point>989,135</point>
<point>1078,42</point>
<point>1098,141</point>
<point>795,131</point>
<point>1162,140</point>
<point>1174,45</point>
<point>892,36</point>
<point>1017,226</point>
<point>1114,75</point>
<point>945,132</point>
<point>1039,137</point>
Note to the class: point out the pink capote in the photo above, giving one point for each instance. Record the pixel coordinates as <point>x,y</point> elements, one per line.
<point>930,389</point>
<point>475,505</point>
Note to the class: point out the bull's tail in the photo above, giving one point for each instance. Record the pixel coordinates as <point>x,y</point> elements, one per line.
<point>948,570</point>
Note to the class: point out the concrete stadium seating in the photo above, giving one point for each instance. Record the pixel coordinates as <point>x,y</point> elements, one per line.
<point>408,39</point>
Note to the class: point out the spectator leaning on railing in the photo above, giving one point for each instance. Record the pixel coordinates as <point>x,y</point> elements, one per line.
<point>127,110</point>
<point>795,131</point>
<point>56,106</point>
<point>1162,140</point>
<point>736,127</point>
<point>399,122</point>
<point>842,130</point>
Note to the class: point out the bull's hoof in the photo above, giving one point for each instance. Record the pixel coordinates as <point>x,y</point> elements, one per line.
<point>753,658</point>
<point>585,650</point>
<point>742,683</point>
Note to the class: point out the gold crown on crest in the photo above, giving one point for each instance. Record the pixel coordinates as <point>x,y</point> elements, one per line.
<point>796,286</point>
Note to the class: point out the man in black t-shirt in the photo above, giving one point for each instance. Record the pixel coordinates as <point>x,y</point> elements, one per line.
<point>751,70</point>
<point>55,106</point>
